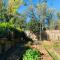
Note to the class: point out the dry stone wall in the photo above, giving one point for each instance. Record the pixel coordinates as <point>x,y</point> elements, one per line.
<point>53,34</point>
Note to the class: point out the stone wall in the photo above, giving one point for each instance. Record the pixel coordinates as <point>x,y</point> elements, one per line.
<point>31,35</point>
<point>46,35</point>
<point>53,34</point>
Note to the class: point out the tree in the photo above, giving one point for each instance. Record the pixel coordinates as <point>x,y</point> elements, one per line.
<point>13,5</point>
<point>37,13</point>
<point>20,22</point>
<point>0,4</point>
<point>1,7</point>
<point>41,13</point>
<point>58,15</point>
<point>58,21</point>
<point>50,18</point>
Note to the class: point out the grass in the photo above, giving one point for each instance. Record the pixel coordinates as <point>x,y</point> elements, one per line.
<point>53,54</point>
<point>51,51</point>
<point>56,45</point>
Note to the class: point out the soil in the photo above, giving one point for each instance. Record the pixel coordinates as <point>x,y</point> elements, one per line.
<point>45,55</point>
<point>57,50</point>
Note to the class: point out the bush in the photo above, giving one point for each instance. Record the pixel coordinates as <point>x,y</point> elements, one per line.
<point>3,28</point>
<point>6,28</point>
<point>32,54</point>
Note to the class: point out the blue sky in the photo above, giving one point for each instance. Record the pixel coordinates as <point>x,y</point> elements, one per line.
<point>51,3</point>
<point>54,4</point>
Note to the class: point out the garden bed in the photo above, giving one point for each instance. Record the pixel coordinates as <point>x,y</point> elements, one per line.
<point>31,54</point>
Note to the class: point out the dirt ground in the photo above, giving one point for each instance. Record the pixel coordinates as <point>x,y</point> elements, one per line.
<point>45,55</point>
<point>41,48</point>
<point>57,50</point>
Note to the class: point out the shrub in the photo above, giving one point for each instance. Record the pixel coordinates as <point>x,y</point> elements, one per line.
<point>3,24</point>
<point>3,27</point>
<point>31,54</point>
<point>6,27</point>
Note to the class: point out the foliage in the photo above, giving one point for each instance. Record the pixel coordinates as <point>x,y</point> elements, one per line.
<point>3,29</point>
<point>58,14</point>
<point>58,20</point>
<point>58,24</point>
<point>20,22</point>
<point>14,5</point>
<point>9,9</point>
<point>34,26</point>
<point>42,13</point>
<point>31,54</point>
<point>4,26</point>
<point>11,16</point>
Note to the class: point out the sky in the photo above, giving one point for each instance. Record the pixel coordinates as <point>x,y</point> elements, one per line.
<point>51,3</point>
<point>54,4</point>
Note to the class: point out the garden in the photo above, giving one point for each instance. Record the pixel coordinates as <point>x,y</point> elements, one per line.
<point>28,29</point>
